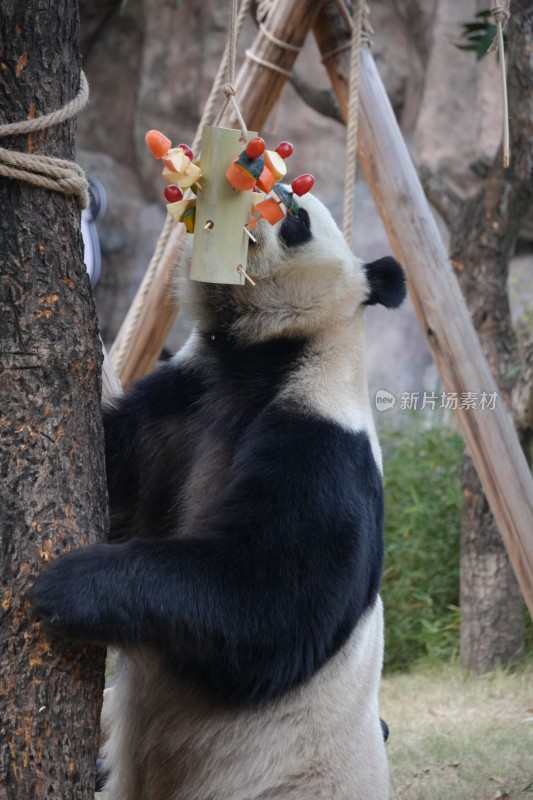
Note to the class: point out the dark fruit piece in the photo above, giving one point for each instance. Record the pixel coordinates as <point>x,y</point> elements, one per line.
<point>187,150</point>
<point>173,193</point>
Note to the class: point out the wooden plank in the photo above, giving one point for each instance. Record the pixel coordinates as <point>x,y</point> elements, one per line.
<point>220,244</point>
<point>258,87</point>
<point>436,296</point>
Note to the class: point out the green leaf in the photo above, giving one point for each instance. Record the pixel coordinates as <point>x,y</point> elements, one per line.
<point>475,26</point>
<point>479,35</point>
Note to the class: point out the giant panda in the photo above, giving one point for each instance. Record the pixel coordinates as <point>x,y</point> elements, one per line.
<point>241,581</point>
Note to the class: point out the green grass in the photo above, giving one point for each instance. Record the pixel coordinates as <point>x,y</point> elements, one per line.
<point>420,587</point>
<point>458,737</point>
<point>422,529</point>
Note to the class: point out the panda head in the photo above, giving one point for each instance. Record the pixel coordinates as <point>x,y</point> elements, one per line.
<point>306,280</point>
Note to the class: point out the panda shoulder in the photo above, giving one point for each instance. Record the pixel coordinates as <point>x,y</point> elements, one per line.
<point>310,453</point>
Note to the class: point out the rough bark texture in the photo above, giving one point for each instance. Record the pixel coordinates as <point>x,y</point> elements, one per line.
<point>481,246</point>
<point>51,457</point>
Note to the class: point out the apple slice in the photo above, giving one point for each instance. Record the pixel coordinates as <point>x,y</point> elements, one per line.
<point>171,177</point>
<point>176,160</point>
<point>275,164</point>
<point>191,175</point>
<point>178,209</point>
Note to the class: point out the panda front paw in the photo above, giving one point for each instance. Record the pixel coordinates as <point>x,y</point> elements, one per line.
<point>70,597</point>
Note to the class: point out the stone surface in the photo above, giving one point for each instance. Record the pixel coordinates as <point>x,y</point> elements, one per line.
<point>459,124</point>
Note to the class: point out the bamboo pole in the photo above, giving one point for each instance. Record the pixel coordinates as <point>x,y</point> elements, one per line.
<point>258,87</point>
<point>220,240</point>
<point>436,296</point>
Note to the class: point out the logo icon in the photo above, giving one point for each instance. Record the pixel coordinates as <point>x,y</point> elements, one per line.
<point>385,401</point>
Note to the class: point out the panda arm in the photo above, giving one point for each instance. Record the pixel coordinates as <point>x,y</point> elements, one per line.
<point>150,415</point>
<point>269,588</point>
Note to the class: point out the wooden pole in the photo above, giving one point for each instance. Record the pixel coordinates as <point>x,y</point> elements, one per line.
<point>258,87</point>
<point>436,296</point>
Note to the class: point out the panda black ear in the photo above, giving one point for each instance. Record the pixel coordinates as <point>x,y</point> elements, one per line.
<point>386,279</point>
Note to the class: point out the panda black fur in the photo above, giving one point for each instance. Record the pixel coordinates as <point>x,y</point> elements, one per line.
<point>242,581</point>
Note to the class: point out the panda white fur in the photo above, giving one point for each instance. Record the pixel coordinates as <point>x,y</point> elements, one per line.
<point>241,582</point>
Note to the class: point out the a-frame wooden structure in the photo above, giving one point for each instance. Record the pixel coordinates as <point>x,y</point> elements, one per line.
<point>416,242</point>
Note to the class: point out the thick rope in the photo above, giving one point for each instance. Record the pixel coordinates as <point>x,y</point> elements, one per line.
<point>218,83</point>
<point>500,15</point>
<point>121,347</point>
<point>292,48</point>
<point>228,88</point>
<point>353,119</point>
<point>268,64</point>
<point>367,31</point>
<point>55,174</point>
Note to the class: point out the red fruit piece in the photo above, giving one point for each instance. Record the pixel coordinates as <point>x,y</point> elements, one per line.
<point>302,184</point>
<point>255,147</point>
<point>173,193</point>
<point>158,143</point>
<point>285,149</point>
<point>187,150</point>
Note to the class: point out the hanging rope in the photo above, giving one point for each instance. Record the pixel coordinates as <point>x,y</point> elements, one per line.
<point>218,83</point>
<point>55,174</point>
<point>500,15</point>
<point>226,68</point>
<point>353,119</point>
<point>228,88</point>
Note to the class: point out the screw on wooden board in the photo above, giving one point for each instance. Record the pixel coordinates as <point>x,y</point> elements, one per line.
<point>209,225</point>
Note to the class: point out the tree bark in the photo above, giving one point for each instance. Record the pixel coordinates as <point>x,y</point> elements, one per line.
<point>52,464</point>
<point>482,243</point>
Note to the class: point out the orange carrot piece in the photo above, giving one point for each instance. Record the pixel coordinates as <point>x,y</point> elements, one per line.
<point>270,210</point>
<point>239,178</point>
<point>158,143</point>
<point>266,181</point>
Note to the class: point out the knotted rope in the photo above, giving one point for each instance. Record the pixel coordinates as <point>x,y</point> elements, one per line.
<point>48,172</point>
<point>500,15</point>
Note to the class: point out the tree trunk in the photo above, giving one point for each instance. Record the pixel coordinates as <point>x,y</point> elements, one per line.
<point>492,609</point>
<point>492,629</point>
<point>52,465</point>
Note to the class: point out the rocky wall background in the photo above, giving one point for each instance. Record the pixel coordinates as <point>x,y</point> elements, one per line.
<point>151,65</point>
